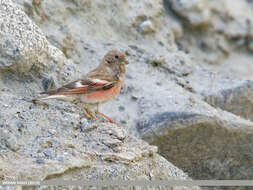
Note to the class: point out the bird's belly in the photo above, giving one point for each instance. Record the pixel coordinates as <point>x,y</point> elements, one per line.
<point>101,96</point>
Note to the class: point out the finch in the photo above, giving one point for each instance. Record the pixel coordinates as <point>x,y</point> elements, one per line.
<point>96,87</point>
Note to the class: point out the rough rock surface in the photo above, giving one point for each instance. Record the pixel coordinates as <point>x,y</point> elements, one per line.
<point>22,43</point>
<point>204,141</point>
<point>58,143</point>
<point>55,139</point>
<point>198,114</point>
<point>197,13</point>
<point>215,30</point>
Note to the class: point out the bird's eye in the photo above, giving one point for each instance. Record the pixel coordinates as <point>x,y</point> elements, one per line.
<point>116,57</point>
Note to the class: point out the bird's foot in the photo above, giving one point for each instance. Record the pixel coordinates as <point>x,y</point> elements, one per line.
<point>90,114</point>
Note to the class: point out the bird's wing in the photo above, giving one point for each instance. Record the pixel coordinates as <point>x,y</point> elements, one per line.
<point>82,86</point>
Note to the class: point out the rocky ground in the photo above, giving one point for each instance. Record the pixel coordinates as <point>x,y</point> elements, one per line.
<point>188,90</point>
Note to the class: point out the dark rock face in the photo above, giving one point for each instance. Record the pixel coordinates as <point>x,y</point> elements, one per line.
<point>208,147</point>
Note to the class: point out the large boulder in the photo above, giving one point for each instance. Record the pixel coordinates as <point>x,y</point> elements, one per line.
<point>22,44</point>
<point>60,143</point>
<point>204,140</point>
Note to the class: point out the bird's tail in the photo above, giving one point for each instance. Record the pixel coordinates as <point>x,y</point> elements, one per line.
<point>36,100</point>
<point>41,96</point>
<point>44,96</point>
<point>51,94</point>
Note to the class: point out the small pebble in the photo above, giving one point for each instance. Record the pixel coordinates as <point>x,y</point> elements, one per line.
<point>40,161</point>
<point>146,27</point>
<point>9,140</point>
<point>121,108</point>
<point>60,158</point>
<point>134,97</point>
<point>52,132</point>
<point>20,127</point>
<point>47,153</point>
<point>47,144</point>
<point>70,145</point>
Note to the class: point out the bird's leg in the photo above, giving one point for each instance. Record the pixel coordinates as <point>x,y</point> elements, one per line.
<point>90,114</point>
<point>106,117</point>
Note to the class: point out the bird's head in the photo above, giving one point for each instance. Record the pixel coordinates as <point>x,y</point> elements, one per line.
<point>115,57</point>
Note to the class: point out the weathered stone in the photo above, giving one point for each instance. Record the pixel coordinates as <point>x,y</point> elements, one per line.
<point>223,27</point>
<point>22,42</point>
<point>223,91</point>
<point>196,141</point>
<point>236,17</point>
<point>172,102</point>
<point>8,140</point>
<point>75,153</point>
<point>196,12</point>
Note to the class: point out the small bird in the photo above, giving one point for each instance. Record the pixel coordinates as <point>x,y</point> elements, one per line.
<point>96,87</point>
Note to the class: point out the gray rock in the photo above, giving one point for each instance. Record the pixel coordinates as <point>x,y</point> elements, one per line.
<point>121,108</point>
<point>236,17</point>
<point>23,47</point>
<point>20,127</point>
<point>8,140</point>
<point>213,30</point>
<point>183,126</point>
<point>169,100</point>
<point>221,90</point>
<point>107,148</point>
<point>60,158</point>
<point>22,42</point>
<point>98,153</point>
<point>202,140</point>
<point>197,13</point>
<point>47,153</point>
<point>40,161</point>
<point>9,51</point>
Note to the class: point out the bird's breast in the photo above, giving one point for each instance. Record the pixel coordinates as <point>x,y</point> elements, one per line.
<point>101,96</point>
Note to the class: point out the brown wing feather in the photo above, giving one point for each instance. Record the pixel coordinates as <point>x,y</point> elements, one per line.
<point>89,84</point>
<point>62,89</point>
<point>93,86</point>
